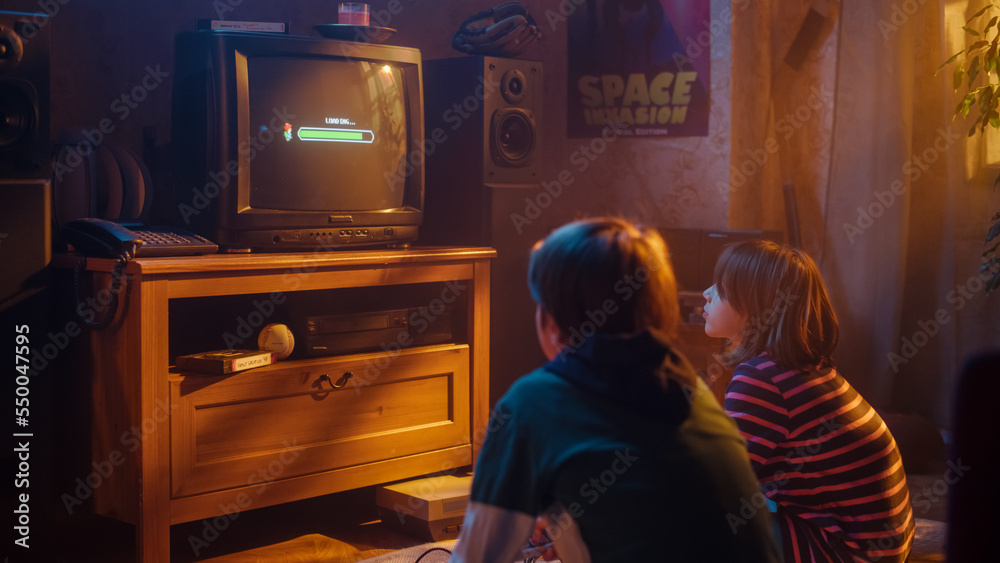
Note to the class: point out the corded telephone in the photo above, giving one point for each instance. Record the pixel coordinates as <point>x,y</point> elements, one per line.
<point>122,241</point>
<point>128,239</point>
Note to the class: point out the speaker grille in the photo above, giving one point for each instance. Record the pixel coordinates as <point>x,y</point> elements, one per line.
<point>513,132</point>
<point>18,114</point>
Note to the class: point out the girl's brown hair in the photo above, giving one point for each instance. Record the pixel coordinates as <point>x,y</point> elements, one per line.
<point>605,275</point>
<point>781,293</point>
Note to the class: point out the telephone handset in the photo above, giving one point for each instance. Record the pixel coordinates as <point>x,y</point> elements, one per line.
<point>123,240</point>
<point>128,239</point>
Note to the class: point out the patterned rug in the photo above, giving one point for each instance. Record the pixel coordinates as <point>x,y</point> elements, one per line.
<point>437,552</point>
<point>928,547</point>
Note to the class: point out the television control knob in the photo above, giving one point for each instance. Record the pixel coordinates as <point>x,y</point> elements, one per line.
<point>387,231</point>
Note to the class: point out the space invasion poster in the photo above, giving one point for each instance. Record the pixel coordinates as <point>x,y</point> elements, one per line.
<point>640,66</point>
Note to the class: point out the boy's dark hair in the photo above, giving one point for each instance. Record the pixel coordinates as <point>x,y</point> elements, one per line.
<point>781,292</point>
<point>605,275</point>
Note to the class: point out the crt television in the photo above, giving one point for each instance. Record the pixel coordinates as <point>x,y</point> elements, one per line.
<point>290,143</point>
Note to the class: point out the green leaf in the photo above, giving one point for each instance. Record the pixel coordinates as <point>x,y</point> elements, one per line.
<point>979,13</point>
<point>973,70</point>
<point>948,62</point>
<point>985,96</point>
<point>986,101</point>
<point>977,45</point>
<point>966,103</point>
<point>958,75</point>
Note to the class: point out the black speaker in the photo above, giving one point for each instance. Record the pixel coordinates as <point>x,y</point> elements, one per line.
<point>483,187</point>
<point>489,110</point>
<point>24,95</point>
<point>481,118</point>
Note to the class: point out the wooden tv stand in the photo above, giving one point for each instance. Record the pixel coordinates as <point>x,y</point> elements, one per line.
<point>184,446</point>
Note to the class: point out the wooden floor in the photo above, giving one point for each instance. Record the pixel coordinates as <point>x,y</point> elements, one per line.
<point>343,527</point>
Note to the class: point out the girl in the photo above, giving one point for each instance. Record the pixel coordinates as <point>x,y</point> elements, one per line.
<point>825,460</point>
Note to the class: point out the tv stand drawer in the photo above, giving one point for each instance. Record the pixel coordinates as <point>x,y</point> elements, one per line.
<point>286,420</point>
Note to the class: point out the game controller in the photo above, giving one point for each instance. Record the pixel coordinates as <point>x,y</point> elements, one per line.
<point>532,551</point>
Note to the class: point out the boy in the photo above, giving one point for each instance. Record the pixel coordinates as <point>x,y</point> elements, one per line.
<point>615,445</point>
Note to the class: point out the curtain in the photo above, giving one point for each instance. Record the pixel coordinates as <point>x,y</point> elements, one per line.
<point>893,199</point>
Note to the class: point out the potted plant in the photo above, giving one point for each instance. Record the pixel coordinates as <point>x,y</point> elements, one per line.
<point>977,73</point>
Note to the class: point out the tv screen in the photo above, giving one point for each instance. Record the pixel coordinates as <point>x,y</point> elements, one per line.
<point>286,142</point>
<point>332,137</point>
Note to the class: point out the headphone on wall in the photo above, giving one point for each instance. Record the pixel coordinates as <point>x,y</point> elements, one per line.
<point>505,30</point>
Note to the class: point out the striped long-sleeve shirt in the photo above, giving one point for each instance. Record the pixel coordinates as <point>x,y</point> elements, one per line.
<point>828,461</point>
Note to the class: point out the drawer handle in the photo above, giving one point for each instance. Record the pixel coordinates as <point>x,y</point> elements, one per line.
<point>340,382</point>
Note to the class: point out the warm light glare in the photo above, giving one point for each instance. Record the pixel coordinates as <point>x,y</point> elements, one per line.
<point>386,69</point>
